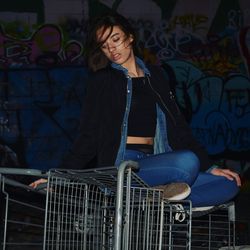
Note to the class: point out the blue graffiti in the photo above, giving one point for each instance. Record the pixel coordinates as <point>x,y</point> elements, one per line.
<point>218,108</point>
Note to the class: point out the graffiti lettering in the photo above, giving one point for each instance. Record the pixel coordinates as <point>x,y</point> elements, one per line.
<point>191,21</point>
<point>237,139</point>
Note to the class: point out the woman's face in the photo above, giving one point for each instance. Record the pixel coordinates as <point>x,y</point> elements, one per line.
<point>117,46</point>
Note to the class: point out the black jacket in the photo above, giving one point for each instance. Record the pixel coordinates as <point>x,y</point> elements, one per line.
<point>101,120</point>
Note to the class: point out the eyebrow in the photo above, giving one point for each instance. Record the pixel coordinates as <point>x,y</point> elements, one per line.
<point>117,33</point>
<point>110,36</point>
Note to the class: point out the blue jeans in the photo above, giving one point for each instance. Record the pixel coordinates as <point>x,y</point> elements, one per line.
<point>183,166</point>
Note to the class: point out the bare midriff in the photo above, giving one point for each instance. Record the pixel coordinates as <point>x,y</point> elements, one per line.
<point>140,140</point>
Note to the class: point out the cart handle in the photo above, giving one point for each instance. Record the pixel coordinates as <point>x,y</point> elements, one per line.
<point>14,183</point>
<point>129,164</point>
<point>22,171</point>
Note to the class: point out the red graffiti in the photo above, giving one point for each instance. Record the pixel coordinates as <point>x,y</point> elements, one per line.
<point>243,45</point>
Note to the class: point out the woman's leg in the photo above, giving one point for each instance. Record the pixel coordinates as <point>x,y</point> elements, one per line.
<point>210,190</point>
<point>177,166</point>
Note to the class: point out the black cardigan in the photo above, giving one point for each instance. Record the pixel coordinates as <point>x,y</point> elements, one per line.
<point>101,120</point>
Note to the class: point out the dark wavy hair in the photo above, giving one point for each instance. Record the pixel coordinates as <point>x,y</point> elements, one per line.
<point>94,55</point>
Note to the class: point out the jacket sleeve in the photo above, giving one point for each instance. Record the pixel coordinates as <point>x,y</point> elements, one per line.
<point>180,134</point>
<point>83,151</point>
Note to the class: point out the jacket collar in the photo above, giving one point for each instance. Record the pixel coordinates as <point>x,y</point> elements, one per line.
<point>125,71</point>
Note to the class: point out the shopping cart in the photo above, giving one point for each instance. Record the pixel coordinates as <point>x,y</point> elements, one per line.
<point>91,210</point>
<point>73,210</point>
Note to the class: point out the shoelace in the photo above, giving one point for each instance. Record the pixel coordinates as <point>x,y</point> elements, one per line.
<point>180,214</point>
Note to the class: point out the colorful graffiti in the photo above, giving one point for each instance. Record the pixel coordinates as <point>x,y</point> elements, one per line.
<point>183,36</point>
<point>43,48</point>
<point>211,68</point>
<point>204,58</point>
<point>220,54</point>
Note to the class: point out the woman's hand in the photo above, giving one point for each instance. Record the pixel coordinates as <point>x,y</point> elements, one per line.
<point>229,174</point>
<point>37,182</point>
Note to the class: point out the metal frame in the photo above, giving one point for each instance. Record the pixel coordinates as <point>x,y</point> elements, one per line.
<point>145,220</point>
<point>106,209</point>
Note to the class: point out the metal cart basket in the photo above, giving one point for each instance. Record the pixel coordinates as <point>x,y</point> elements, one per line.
<point>70,211</point>
<point>92,209</point>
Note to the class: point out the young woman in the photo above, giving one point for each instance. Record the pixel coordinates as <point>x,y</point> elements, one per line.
<point>130,113</point>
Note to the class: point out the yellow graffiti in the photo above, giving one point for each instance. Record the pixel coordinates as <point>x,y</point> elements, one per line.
<point>219,61</point>
<point>217,64</point>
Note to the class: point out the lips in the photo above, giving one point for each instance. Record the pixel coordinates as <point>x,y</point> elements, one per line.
<point>115,57</point>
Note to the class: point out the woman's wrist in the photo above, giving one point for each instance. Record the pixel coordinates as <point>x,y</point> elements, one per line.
<point>212,167</point>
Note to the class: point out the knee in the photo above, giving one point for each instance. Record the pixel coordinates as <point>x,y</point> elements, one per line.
<point>189,161</point>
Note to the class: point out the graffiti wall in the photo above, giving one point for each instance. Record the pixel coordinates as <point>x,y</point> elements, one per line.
<point>42,71</point>
<point>39,114</point>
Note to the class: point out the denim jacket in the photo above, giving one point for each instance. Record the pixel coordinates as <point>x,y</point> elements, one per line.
<point>161,144</point>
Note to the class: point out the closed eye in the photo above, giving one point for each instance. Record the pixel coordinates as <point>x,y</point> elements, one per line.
<point>115,40</point>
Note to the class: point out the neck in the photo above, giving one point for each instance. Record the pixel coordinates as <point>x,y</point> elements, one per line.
<point>133,68</point>
<point>138,70</point>
<point>135,71</point>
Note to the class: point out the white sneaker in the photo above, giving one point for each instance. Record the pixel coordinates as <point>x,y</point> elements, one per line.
<point>200,211</point>
<point>175,191</point>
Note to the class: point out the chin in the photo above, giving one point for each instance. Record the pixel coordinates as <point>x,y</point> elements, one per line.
<point>117,61</point>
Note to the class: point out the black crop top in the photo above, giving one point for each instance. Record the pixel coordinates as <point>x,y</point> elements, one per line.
<point>142,116</point>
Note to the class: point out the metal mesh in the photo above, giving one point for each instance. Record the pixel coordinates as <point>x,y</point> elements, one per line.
<point>73,210</point>
<point>22,218</point>
<point>152,222</point>
<point>215,230</point>
<point>79,215</point>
